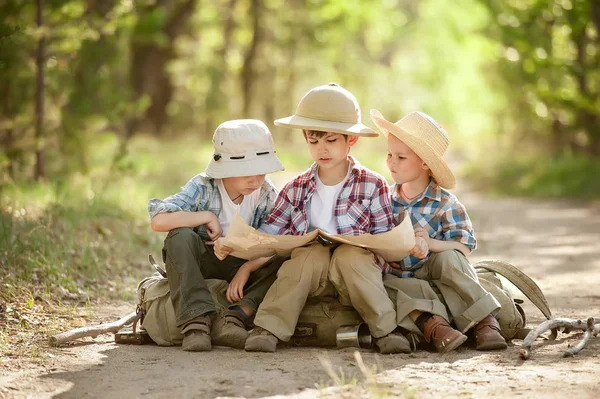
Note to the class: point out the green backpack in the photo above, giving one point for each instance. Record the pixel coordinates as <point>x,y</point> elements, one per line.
<point>321,317</point>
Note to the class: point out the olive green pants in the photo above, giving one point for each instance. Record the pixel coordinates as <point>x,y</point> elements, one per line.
<point>446,285</point>
<point>189,261</point>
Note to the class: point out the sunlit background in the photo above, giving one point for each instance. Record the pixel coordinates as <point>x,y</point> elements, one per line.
<point>105,104</point>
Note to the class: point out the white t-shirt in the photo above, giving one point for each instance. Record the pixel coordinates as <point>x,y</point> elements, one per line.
<point>245,209</point>
<point>322,206</point>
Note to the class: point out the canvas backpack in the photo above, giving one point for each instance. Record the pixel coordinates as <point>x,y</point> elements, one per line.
<point>511,316</point>
<point>321,317</point>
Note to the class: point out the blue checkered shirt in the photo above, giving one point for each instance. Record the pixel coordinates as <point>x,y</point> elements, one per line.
<point>202,194</point>
<point>440,213</point>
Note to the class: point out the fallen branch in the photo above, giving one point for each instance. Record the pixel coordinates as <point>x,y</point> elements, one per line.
<point>92,331</point>
<point>554,324</point>
<point>586,337</point>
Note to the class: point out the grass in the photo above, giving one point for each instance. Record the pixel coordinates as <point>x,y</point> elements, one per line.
<point>363,384</point>
<point>535,176</point>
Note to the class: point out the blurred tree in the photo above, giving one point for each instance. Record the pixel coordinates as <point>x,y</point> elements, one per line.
<point>40,89</point>
<point>550,60</point>
<point>160,23</point>
<point>16,79</point>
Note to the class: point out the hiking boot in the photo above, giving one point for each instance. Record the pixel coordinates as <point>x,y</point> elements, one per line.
<point>487,335</point>
<point>230,330</point>
<point>196,335</point>
<point>394,342</point>
<point>261,340</point>
<point>439,332</point>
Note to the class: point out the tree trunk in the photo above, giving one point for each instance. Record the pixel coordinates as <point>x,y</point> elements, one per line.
<point>39,96</point>
<point>248,72</point>
<point>148,74</point>
<point>216,99</point>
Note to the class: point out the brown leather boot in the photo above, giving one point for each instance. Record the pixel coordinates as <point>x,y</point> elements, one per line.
<point>445,338</point>
<point>487,335</point>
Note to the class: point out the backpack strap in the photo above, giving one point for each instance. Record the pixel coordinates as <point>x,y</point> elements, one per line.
<point>520,280</point>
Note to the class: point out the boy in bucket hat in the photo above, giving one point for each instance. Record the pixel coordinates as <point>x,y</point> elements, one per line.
<point>234,182</point>
<point>416,145</point>
<point>340,196</point>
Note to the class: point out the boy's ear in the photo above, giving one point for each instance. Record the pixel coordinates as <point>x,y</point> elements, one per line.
<point>424,166</point>
<point>352,140</point>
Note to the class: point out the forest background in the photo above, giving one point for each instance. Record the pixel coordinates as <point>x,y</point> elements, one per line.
<point>107,103</point>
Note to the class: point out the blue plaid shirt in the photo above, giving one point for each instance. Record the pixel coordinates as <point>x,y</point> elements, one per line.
<point>202,194</point>
<point>440,213</point>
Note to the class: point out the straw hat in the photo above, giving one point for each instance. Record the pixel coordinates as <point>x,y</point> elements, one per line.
<point>242,148</point>
<point>328,108</point>
<point>425,137</point>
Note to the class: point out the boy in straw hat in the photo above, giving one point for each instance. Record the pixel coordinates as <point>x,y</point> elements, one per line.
<point>416,145</point>
<point>340,196</point>
<point>234,182</point>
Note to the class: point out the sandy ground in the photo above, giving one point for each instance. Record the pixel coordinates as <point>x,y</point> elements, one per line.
<point>556,242</point>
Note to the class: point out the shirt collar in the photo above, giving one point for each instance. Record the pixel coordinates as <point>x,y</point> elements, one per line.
<point>433,191</point>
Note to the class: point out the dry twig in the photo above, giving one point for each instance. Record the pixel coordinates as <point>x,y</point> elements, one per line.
<point>568,325</point>
<point>92,331</point>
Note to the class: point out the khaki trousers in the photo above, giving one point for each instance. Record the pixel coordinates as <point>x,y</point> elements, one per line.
<point>315,270</point>
<point>463,300</point>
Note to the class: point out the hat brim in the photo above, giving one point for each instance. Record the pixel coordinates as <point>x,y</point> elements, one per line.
<point>439,168</point>
<point>263,165</point>
<point>352,129</point>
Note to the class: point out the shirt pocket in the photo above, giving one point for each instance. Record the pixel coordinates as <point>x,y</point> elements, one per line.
<point>358,215</point>
<point>298,219</point>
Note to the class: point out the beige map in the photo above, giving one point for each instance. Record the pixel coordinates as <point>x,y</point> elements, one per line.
<point>249,243</point>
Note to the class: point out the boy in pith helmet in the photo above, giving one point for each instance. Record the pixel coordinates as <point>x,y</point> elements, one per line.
<point>233,183</point>
<point>340,196</point>
<point>416,145</point>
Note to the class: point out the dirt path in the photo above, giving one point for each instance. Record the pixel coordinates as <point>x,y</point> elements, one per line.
<point>555,242</point>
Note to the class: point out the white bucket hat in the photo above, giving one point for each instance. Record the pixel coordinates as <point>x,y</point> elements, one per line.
<point>242,148</point>
<point>425,137</point>
<point>328,108</point>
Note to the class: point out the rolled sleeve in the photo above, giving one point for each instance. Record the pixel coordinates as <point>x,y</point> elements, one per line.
<point>186,200</point>
<point>456,226</point>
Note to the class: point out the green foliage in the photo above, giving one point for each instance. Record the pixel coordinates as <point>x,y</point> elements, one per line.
<point>549,177</point>
<point>548,60</point>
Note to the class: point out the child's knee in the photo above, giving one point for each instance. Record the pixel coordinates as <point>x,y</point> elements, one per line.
<point>182,236</point>
<point>348,256</point>
<point>448,261</point>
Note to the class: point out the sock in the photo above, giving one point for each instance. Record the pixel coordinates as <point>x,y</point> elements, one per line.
<point>241,311</point>
<point>422,319</point>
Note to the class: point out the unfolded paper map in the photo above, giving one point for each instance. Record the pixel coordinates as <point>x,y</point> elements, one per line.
<point>249,243</point>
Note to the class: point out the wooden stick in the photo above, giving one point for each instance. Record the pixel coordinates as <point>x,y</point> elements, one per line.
<point>581,344</point>
<point>553,324</point>
<point>92,331</point>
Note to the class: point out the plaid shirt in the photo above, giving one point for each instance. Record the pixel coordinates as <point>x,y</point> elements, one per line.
<point>440,213</point>
<point>202,194</point>
<point>362,207</point>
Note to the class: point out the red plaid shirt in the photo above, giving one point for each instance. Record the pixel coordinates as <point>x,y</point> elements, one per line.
<point>363,206</point>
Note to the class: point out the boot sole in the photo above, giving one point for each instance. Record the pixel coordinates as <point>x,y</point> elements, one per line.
<point>233,341</point>
<point>452,345</point>
<point>491,345</point>
<point>259,345</point>
<point>197,348</point>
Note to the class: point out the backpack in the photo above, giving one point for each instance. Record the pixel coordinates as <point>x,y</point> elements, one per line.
<point>511,315</point>
<point>321,317</point>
